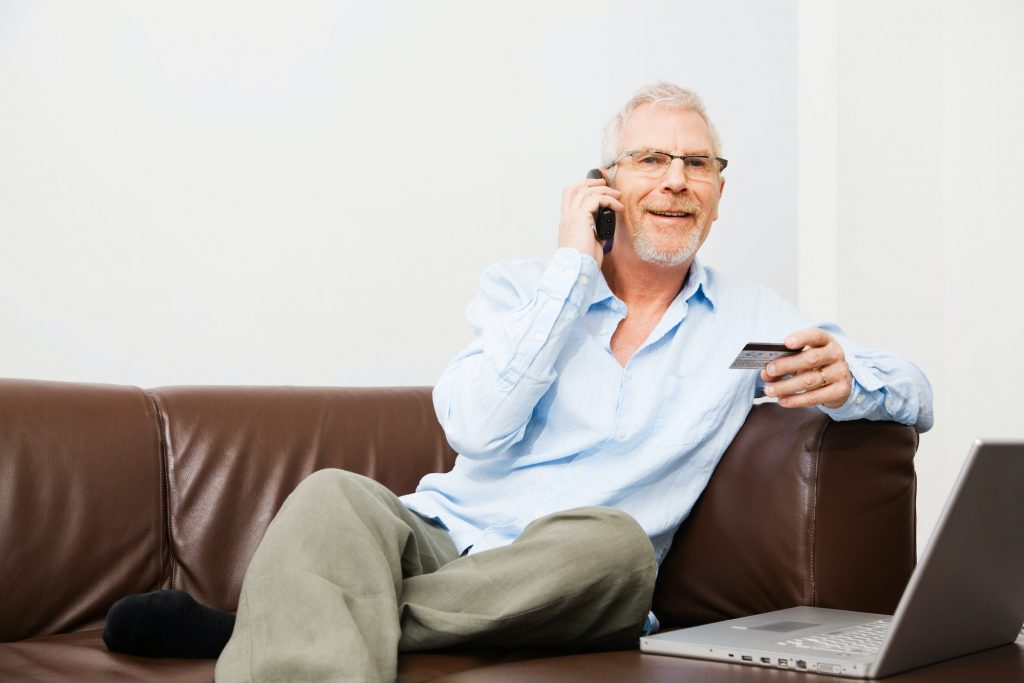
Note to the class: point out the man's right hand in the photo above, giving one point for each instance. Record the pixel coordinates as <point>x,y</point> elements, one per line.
<point>579,203</point>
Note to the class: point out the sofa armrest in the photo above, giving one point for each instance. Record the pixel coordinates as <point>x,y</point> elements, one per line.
<point>802,510</point>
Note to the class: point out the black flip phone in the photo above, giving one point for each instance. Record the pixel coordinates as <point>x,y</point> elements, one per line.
<point>604,219</point>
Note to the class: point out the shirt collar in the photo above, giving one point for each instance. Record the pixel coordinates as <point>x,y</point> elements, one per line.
<point>602,292</point>
<point>697,281</point>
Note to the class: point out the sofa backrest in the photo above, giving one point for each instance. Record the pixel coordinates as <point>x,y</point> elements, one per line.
<point>234,454</point>
<point>106,491</point>
<point>111,490</point>
<point>81,510</point>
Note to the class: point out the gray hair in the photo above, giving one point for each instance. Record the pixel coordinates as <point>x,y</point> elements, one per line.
<point>661,94</point>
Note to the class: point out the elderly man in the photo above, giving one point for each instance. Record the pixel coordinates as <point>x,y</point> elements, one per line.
<point>589,412</point>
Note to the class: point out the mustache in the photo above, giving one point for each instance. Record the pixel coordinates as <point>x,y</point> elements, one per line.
<point>685,206</point>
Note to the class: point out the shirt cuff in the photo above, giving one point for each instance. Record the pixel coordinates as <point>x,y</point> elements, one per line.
<point>564,295</point>
<point>572,277</point>
<point>864,397</point>
<point>651,624</point>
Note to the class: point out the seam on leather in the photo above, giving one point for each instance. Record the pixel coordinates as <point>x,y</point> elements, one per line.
<point>166,547</point>
<point>812,521</point>
<point>913,529</point>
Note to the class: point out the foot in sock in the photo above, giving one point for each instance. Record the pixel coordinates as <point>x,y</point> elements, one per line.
<point>167,623</point>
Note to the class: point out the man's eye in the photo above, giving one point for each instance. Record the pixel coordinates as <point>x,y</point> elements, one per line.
<point>698,162</point>
<point>650,160</point>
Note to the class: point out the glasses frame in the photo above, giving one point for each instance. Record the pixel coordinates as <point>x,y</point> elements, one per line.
<point>722,163</point>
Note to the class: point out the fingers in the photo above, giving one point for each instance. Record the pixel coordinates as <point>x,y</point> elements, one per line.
<point>816,375</point>
<point>811,336</point>
<point>579,203</point>
<point>589,195</point>
<point>829,385</point>
<point>831,396</point>
<point>819,349</point>
<point>570,193</point>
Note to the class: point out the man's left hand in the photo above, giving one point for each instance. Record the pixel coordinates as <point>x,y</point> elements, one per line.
<point>819,371</point>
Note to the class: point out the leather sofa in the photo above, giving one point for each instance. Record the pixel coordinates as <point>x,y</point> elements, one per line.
<point>110,490</point>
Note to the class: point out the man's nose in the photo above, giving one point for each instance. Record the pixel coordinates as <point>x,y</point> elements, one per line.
<point>675,177</point>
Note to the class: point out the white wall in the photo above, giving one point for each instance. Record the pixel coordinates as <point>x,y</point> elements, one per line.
<point>246,192</point>
<point>926,149</point>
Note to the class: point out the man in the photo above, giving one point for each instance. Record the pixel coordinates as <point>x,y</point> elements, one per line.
<point>589,412</point>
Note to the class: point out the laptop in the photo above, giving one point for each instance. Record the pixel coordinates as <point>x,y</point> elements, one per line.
<point>966,594</point>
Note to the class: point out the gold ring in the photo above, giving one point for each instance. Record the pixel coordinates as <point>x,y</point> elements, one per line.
<point>823,380</point>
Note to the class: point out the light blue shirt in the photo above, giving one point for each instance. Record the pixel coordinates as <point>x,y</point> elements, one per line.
<point>545,419</point>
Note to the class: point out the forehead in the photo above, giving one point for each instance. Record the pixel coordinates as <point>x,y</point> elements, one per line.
<point>680,131</point>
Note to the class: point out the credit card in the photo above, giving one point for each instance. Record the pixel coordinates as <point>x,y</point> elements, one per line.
<point>756,355</point>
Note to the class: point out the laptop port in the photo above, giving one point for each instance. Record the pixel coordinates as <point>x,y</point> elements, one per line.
<point>784,663</point>
<point>747,658</point>
<point>766,660</point>
<point>801,664</point>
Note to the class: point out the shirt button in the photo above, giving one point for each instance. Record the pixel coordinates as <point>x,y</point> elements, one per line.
<point>621,433</point>
<point>615,305</point>
<point>584,279</point>
<point>859,399</point>
<point>538,337</point>
<point>577,468</point>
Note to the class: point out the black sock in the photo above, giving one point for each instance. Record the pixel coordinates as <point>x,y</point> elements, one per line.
<point>167,624</point>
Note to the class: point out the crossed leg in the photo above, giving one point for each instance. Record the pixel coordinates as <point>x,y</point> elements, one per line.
<point>346,577</point>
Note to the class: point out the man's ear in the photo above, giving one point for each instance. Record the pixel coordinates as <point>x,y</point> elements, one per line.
<point>721,190</point>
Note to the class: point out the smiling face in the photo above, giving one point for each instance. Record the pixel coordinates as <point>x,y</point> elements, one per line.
<point>668,218</point>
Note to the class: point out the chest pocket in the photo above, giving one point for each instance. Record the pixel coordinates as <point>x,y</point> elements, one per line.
<point>692,405</point>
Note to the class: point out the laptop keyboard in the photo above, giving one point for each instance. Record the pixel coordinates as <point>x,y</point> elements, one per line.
<point>865,639</point>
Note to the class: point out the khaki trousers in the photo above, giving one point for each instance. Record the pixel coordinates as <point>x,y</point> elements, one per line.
<point>346,577</point>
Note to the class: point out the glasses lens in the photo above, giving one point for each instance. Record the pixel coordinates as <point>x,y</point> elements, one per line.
<point>651,163</point>
<point>700,167</point>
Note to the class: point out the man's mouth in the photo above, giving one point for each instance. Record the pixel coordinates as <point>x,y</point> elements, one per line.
<point>672,214</point>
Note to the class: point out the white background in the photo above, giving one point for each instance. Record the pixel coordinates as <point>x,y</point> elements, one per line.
<point>244,193</point>
<point>261,193</point>
<point>916,107</point>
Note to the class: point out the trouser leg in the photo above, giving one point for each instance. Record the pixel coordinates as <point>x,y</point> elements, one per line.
<point>345,566</point>
<point>580,579</point>
<point>320,598</point>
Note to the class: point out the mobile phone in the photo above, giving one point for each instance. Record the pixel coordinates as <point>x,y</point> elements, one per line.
<point>604,218</point>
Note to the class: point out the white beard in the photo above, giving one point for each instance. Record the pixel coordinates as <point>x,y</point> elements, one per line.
<point>649,252</point>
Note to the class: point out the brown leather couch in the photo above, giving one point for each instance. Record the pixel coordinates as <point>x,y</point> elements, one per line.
<point>110,490</point>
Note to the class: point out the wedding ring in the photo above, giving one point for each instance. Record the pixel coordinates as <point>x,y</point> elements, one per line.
<point>823,380</point>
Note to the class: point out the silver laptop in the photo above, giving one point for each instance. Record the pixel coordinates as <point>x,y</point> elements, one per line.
<point>967,594</point>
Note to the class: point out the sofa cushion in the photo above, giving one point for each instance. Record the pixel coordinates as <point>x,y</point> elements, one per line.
<point>81,656</point>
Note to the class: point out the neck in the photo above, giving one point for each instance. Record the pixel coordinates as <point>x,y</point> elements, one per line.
<point>641,285</point>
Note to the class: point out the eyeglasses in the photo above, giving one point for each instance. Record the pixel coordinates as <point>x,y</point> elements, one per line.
<point>654,164</point>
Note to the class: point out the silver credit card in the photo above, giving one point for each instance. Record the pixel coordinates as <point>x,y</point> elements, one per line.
<point>756,355</point>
